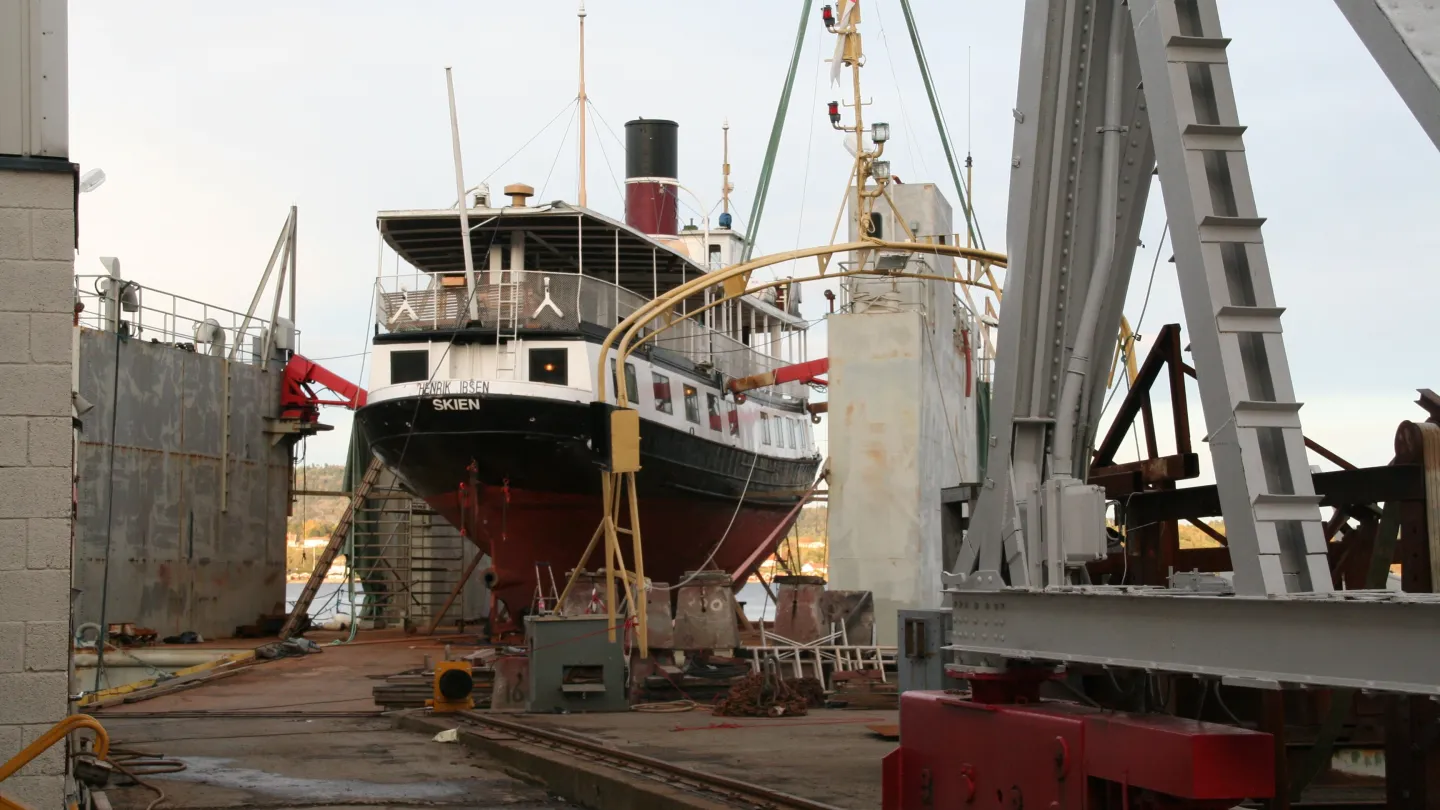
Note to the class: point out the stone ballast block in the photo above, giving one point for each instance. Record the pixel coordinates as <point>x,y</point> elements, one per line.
<point>47,544</point>
<point>35,697</point>
<point>35,390</point>
<point>34,596</point>
<point>12,651</point>
<point>32,287</point>
<point>51,440</point>
<point>34,492</point>
<point>52,337</point>
<point>14,431</point>
<point>47,646</point>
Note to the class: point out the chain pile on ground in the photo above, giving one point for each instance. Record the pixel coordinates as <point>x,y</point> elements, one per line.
<point>761,695</point>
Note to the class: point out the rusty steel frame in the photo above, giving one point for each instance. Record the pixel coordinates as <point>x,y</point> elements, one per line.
<point>1153,546</point>
<point>1358,530</point>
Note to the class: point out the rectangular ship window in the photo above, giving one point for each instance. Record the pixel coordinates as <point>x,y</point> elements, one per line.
<point>549,366</point>
<point>692,404</point>
<point>409,366</point>
<point>734,413</point>
<point>661,384</point>
<point>790,428</point>
<point>632,385</point>
<point>764,427</point>
<point>713,405</point>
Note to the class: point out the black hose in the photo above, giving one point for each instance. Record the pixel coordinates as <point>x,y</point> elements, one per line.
<point>109,517</point>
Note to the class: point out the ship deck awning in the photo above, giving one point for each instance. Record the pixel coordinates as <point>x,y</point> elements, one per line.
<point>558,236</point>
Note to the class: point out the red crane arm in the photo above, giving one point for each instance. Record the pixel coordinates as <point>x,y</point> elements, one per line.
<point>807,372</point>
<point>299,401</point>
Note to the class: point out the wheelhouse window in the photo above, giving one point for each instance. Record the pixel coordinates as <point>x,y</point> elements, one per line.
<point>764,428</point>
<point>692,404</point>
<point>790,428</point>
<point>550,366</point>
<point>734,414</point>
<point>409,366</point>
<point>632,383</point>
<point>712,404</point>
<point>663,398</point>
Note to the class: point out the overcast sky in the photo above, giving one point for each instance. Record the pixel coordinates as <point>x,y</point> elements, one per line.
<point>212,119</point>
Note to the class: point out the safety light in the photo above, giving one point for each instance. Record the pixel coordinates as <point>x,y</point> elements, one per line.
<point>92,180</point>
<point>452,685</point>
<point>880,133</point>
<point>827,14</point>
<point>834,110</point>
<point>880,170</point>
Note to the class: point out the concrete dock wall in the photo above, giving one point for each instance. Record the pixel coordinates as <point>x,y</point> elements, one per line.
<point>178,559</point>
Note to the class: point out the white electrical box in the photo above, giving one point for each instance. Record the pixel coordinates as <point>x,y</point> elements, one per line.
<point>1075,520</point>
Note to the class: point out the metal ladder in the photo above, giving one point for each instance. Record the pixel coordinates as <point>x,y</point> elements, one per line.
<point>434,561</point>
<point>1272,515</point>
<point>327,556</point>
<point>507,325</point>
<point>542,598</point>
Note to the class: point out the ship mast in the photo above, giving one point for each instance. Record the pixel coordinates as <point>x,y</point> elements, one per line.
<point>581,100</point>
<point>725,187</point>
<point>868,165</point>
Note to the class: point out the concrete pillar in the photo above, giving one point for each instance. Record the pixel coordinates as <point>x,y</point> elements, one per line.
<point>902,426</point>
<point>37,239</point>
<point>37,265</point>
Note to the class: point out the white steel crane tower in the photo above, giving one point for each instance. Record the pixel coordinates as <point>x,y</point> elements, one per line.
<point>1111,93</point>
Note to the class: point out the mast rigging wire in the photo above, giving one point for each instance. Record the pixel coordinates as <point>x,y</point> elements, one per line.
<point>569,105</point>
<point>900,95</point>
<point>971,223</point>
<point>558,151</point>
<point>762,188</point>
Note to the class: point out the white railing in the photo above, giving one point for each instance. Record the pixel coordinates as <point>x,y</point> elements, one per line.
<point>155,315</point>
<point>554,301</point>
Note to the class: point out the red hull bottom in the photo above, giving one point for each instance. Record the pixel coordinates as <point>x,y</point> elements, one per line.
<point>520,528</point>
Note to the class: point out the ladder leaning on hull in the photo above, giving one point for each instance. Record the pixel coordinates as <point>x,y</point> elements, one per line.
<point>327,556</point>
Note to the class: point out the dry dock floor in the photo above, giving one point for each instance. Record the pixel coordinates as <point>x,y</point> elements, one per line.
<point>308,735</point>
<point>319,744</point>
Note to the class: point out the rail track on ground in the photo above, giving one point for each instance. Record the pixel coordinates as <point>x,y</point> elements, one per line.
<point>713,786</point>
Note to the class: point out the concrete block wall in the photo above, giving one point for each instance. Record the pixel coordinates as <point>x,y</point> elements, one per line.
<point>37,241</point>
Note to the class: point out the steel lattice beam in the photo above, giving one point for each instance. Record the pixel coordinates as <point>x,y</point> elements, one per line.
<point>1403,37</point>
<point>1376,640</point>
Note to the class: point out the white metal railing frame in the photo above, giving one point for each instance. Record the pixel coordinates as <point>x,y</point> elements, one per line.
<point>572,298</point>
<point>166,317</point>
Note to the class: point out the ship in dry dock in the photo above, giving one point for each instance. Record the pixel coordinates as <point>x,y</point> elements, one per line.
<point>484,411</point>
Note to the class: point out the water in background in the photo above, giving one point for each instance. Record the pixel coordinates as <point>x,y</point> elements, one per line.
<point>332,597</point>
<point>757,604</point>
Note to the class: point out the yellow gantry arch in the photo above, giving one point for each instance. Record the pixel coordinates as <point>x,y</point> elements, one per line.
<point>735,280</point>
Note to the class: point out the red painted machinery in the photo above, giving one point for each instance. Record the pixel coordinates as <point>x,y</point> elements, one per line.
<point>803,373</point>
<point>298,400</point>
<point>962,752</point>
